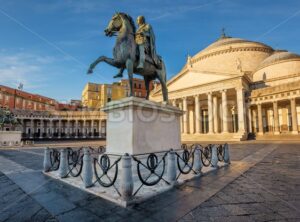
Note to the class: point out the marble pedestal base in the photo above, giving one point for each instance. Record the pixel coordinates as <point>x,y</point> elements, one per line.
<point>137,126</point>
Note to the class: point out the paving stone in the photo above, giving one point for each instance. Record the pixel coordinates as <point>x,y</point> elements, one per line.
<point>16,205</point>
<point>269,190</point>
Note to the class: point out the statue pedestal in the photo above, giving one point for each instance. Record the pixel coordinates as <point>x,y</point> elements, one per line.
<point>137,126</point>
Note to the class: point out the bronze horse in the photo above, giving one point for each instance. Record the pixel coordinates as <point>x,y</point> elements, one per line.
<point>125,55</point>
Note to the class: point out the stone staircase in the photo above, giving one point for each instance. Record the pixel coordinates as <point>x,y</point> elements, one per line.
<point>220,137</point>
<point>281,137</point>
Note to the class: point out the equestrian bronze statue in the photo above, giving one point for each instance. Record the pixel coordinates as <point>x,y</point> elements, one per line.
<point>134,51</point>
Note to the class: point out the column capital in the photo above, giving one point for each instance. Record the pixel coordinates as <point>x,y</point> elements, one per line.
<point>223,91</point>
<point>240,88</point>
<point>209,93</point>
<point>197,96</point>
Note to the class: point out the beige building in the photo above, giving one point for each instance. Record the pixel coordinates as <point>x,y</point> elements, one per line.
<point>95,96</point>
<point>235,88</point>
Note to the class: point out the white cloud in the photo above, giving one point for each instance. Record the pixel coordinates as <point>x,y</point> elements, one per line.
<point>23,67</point>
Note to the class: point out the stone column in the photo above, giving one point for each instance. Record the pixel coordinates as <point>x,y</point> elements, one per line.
<point>50,128</point>
<point>241,109</point>
<point>276,118</point>
<point>68,128</point>
<point>31,128</point>
<point>197,114</point>
<point>234,130</point>
<point>174,102</point>
<point>76,128</point>
<point>99,126</point>
<point>59,128</point>
<point>42,128</point>
<point>224,111</point>
<point>185,116</point>
<point>249,120</point>
<point>254,120</point>
<point>210,113</point>
<point>23,126</point>
<point>92,128</point>
<point>294,116</point>
<point>181,118</point>
<point>260,120</point>
<point>84,129</point>
<point>215,113</point>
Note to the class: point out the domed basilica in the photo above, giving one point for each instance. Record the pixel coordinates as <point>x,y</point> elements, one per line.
<point>237,88</point>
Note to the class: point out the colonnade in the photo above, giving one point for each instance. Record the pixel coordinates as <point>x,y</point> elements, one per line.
<point>214,112</point>
<point>278,116</point>
<point>43,128</point>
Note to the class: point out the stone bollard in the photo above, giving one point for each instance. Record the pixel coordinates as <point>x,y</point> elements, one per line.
<point>197,161</point>
<point>214,156</point>
<point>87,169</point>
<point>63,165</point>
<point>47,161</point>
<point>171,168</point>
<point>126,177</point>
<point>226,153</point>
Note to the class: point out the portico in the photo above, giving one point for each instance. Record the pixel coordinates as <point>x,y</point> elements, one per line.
<point>210,112</point>
<point>236,88</point>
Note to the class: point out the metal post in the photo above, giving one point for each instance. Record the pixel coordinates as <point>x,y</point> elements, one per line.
<point>197,161</point>
<point>126,177</point>
<point>63,165</point>
<point>171,167</point>
<point>47,162</point>
<point>87,171</point>
<point>226,153</point>
<point>214,157</point>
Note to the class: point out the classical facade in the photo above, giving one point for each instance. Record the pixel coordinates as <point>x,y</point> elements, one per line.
<point>62,124</point>
<point>235,88</point>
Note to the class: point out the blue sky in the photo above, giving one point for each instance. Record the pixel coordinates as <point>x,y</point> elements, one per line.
<point>48,45</point>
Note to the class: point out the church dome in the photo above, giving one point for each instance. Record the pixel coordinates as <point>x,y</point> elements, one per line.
<point>281,64</point>
<point>277,57</point>
<point>231,56</point>
<point>225,41</point>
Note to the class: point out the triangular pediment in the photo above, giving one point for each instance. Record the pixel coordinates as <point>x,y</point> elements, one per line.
<point>191,78</point>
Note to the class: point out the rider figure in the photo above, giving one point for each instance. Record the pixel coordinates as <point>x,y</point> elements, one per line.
<point>145,39</point>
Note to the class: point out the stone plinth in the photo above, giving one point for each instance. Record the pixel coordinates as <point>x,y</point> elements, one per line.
<point>10,138</point>
<point>136,126</point>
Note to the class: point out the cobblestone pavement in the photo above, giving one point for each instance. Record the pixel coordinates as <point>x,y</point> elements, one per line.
<point>16,205</point>
<point>268,190</point>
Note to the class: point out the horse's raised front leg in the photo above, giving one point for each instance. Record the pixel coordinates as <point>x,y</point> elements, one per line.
<point>120,73</point>
<point>129,67</point>
<point>105,59</point>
